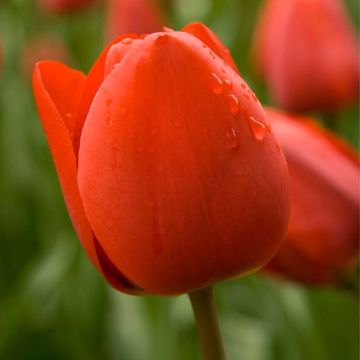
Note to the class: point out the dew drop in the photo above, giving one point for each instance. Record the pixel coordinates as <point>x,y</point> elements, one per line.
<point>157,241</point>
<point>68,115</point>
<point>228,84</point>
<point>232,103</point>
<point>243,85</point>
<point>231,138</point>
<point>216,84</point>
<point>278,148</point>
<point>127,41</point>
<point>258,128</point>
<point>247,96</point>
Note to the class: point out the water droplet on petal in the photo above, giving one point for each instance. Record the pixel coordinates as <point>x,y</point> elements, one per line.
<point>231,138</point>
<point>258,128</point>
<point>232,103</point>
<point>243,85</point>
<point>127,41</point>
<point>247,96</point>
<point>216,84</point>
<point>68,115</point>
<point>278,148</point>
<point>228,84</point>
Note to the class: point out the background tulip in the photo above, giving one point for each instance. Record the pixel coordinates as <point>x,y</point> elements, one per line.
<point>323,237</point>
<point>43,47</point>
<point>133,16</point>
<point>308,53</point>
<point>64,5</point>
<point>174,153</point>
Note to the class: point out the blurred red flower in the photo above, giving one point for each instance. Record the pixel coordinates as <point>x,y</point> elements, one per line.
<point>40,48</point>
<point>133,16</point>
<point>64,5</point>
<point>308,52</point>
<point>323,236</point>
<point>170,172</point>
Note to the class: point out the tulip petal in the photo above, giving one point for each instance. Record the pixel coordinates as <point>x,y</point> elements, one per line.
<point>174,181</point>
<point>53,82</point>
<point>113,275</point>
<point>93,81</point>
<point>209,38</point>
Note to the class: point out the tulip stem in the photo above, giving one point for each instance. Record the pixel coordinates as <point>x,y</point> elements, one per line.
<point>204,308</point>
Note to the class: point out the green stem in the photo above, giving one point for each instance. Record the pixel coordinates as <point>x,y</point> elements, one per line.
<point>204,307</point>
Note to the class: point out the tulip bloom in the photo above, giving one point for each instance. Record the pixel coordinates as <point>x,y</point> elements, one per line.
<point>323,236</point>
<point>64,5</point>
<point>133,16</point>
<point>308,52</point>
<point>169,169</point>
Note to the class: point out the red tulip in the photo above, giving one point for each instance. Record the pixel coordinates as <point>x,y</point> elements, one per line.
<point>42,47</point>
<point>323,236</point>
<point>64,5</point>
<point>308,53</point>
<point>133,16</point>
<point>169,169</point>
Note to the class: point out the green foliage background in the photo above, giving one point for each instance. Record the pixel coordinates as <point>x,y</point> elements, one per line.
<point>54,305</point>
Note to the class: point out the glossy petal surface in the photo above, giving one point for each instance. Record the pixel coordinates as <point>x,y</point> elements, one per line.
<point>180,175</point>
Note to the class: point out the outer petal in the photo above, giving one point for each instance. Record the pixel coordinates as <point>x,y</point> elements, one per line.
<point>324,223</point>
<point>57,92</point>
<point>178,190</point>
<point>208,37</point>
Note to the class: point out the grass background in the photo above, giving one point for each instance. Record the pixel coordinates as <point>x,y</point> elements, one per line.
<point>54,305</point>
